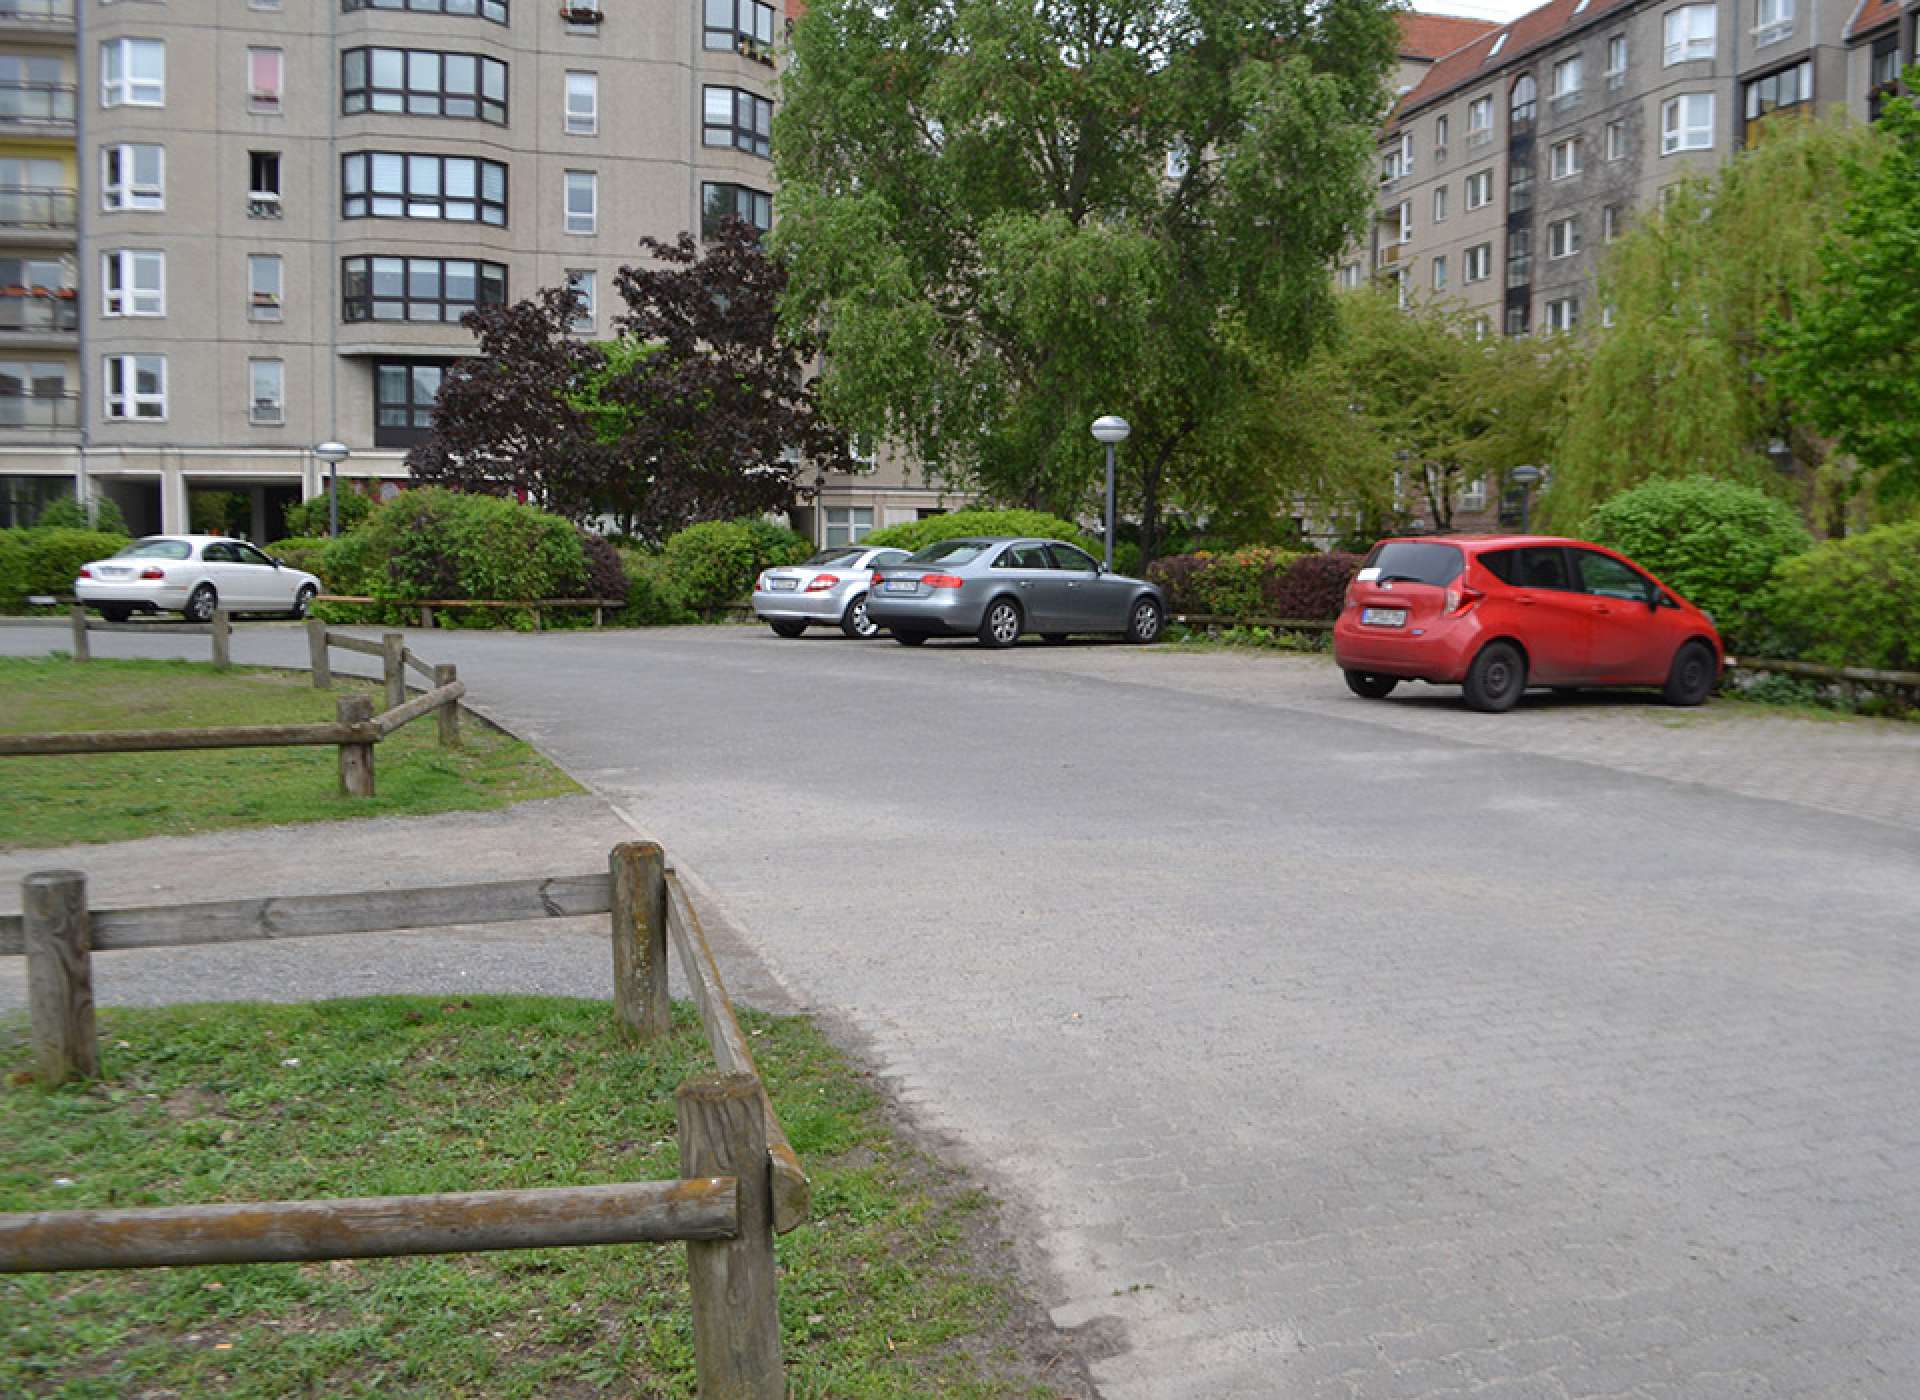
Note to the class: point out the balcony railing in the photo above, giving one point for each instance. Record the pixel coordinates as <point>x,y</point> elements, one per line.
<point>39,310</point>
<point>48,12</point>
<point>36,206</point>
<point>36,104</point>
<point>19,410</point>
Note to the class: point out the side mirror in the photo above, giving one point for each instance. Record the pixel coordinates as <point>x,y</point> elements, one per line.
<point>275,562</point>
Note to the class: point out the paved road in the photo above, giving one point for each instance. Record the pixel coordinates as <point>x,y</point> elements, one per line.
<point>1337,1050</point>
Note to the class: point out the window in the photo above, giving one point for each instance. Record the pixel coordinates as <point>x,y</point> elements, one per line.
<point>132,177</point>
<point>1617,140</point>
<point>36,89</point>
<point>1563,237</point>
<point>848,524</point>
<point>419,289</point>
<point>1609,578</point>
<point>1499,43</point>
<point>1439,274</point>
<point>263,184</point>
<point>1479,262</point>
<point>1350,276</point>
<point>1773,21</point>
<point>1479,189</point>
<point>718,202</point>
<point>1686,123</point>
<point>1473,494</point>
<point>738,119</point>
<point>137,387</point>
<point>1883,73</point>
<point>580,283</point>
<point>423,83</point>
<point>266,391</point>
<point>583,104</point>
<point>1178,162</point>
<point>1517,320</point>
<point>1539,567</point>
<point>133,282</point>
<point>133,73</point>
<point>1689,34</point>
<point>1480,115</point>
<point>266,76</point>
<point>1611,223</point>
<point>1616,55</point>
<point>1070,560</point>
<point>745,26</point>
<point>1566,158</point>
<point>1398,160</point>
<point>1606,315</point>
<point>1519,257</point>
<point>1482,327</point>
<point>1788,88</point>
<point>404,393</point>
<point>1563,314</point>
<point>265,280</point>
<point>1525,91</point>
<point>34,394</point>
<point>394,185</point>
<point>1440,204</point>
<point>1566,77</point>
<point>583,201</point>
<point>1519,185</point>
<point>1439,136</point>
<point>495,10</point>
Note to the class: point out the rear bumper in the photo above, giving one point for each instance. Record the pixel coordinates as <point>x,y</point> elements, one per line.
<point>132,593</point>
<point>946,610</point>
<point>801,607</point>
<point>1441,656</point>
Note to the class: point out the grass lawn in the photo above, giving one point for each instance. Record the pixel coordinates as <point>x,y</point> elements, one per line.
<point>392,1095</point>
<point>115,797</point>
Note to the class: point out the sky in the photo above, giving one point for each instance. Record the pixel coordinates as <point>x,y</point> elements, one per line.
<point>1479,9</point>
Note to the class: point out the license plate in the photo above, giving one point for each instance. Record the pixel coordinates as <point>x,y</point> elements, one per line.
<point>785,585</point>
<point>1384,617</point>
<point>901,585</point>
<point>114,573</point>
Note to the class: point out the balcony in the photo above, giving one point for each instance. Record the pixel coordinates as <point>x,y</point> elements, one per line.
<point>25,105</point>
<point>38,316</point>
<point>27,18</point>
<point>36,214</point>
<point>47,412</point>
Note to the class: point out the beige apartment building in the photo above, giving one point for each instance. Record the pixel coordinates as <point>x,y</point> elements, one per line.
<point>245,227</point>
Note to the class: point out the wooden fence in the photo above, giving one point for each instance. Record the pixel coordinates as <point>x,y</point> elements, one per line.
<point>220,628</point>
<point>1279,624</point>
<point>355,730</point>
<point>740,1182</point>
<point>537,606</point>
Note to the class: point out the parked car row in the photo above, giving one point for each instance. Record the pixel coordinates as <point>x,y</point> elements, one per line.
<point>192,575</point>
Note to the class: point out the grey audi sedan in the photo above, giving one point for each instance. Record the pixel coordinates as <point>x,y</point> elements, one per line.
<point>996,589</point>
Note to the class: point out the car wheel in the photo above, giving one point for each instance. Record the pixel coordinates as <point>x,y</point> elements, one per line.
<point>1145,621</point>
<point>1496,678</point>
<point>1690,681</point>
<point>908,638</point>
<point>787,629</point>
<point>1000,624</point>
<point>1370,686</point>
<point>855,622</point>
<point>303,601</point>
<point>115,612</point>
<point>201,603</point>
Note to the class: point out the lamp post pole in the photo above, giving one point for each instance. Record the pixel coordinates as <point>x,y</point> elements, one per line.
<point>1111,430</point>
<point>1526,476</point>
<point>333,453</point>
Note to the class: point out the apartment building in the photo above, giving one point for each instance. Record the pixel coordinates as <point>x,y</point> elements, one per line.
<point>244,227</point>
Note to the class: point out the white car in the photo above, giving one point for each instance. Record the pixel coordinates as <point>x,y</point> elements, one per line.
<point>192,575</point>
<point>830,589</point>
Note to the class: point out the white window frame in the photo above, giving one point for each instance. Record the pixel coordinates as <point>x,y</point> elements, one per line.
<point>1479,265</point>
<point>266,305</point>
<point>123,196</point>
<point>1678,132</point>
<point>1563,237</point>
<point>1439,204</point>
<point>1563,314</point>
<point>1350,276</point>
<point>1178,163</point>
<point>123,405</point>
<point>583,280</point>
<point>1440,273</point>
<point>118,86</point>
<point>1565,159</point>
<point>260,99</point>
<point>267,412</point>
<point>1472,494</point>
<point>1771,28</point>
<point>1480,182</point>
<point>1609,223</point>
<point>1567,77</point>
<point>587,223</point>
<point>1440,125</point>
<point>583,120</point>
<point>1691,34</point>
<point>1499,43</point>
<point>1480,114</point>
<point>851,528</point>
<point>1616,55</point>
<point>121,294</point>
<point>1617,139</point>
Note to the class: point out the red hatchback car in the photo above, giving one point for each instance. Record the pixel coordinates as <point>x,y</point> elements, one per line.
<point>1495,614</point>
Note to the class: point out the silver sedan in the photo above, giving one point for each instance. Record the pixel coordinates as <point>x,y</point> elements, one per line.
<point>996,589</point>
<point>830,590</point>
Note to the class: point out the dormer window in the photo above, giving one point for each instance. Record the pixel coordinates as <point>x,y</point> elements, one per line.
<point>1499,43</point>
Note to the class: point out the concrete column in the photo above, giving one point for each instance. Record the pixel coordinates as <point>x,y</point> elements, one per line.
<point>174,517</point>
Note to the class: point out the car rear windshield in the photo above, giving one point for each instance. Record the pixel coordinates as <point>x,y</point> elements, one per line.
<point>1416,561</point>
<point>156,549</point>
<point>833,556</point>
<point>949,552</point>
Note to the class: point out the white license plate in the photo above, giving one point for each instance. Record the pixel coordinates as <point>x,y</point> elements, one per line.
<point>785,585</point>
<point>1384,617</point>
<point>114,573</point>
<point>901,585</point>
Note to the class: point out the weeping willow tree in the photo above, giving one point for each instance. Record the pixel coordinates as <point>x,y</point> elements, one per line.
<point>1676,386</point>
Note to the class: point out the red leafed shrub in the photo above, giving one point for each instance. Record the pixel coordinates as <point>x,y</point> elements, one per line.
<point>605,576</point>
<point>1176,573</point>
<point>1313,587</point>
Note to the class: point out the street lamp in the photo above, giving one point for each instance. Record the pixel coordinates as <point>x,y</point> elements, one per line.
<point>333,453</point>
<point>1525,477</point>
<point>1110,429</point>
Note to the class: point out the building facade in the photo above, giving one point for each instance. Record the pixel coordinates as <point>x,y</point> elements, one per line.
<point>244,227</point>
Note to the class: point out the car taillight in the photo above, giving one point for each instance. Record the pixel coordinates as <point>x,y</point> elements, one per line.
<point>1462,598</point>
<point>760,584</point>
<point>875,580</point>
<point>823,583</point>
<point>942,580</point>
<point>85,572</point>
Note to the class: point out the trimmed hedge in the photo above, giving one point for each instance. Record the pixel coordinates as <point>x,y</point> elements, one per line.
<point>47,561</point>
<point>308,554</point>
<point>1850,602</point>
<point>918,534</point>
<point>1226,585</point>
<point>311,518</point>
<point>715,563</point>
<point>1314,586</point>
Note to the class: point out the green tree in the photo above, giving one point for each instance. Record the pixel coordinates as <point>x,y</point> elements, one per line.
<point>1850,352</point>
<point>1675,387</point>
<point>1004,219</point>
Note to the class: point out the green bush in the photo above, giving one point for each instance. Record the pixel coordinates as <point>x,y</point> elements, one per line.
<point>1233,585</point>
<point>653,593</point>
<point>66,513</point>
<point>715,563</point>
<point>307,554</point>
<point>13,570</point>
<point>310,519</point>
<point>918,534</point>
<point>54,557</point>
<point>1850,602</point>
<point>1716,542</point>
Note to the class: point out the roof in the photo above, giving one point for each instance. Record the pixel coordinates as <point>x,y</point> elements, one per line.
<point>1535,29</point>
<point>1871,14</point>
<point>1429,36</point>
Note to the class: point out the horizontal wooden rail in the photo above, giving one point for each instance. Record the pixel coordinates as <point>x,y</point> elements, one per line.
<point>172,629</point>
<point>243,736</point>
<point>420,705</point>
<point>322,915</point>
<point>419,667</point>
<point>474,602</point>
<point>792,1192</point>
<point>356,644</point>
<point>1863,674</point>
<point>1295,624</point>
<point>370,1227</point>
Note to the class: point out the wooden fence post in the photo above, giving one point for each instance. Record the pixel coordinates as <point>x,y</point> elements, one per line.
<point>736,1314</point>
<point>60,976</point>
<point>356,760</point>
<point>317,659</point>
<point>639,890</point>
<point>449,716</point>
<point>393,647</point>
<point>78,615</point>
<point>222,639</point>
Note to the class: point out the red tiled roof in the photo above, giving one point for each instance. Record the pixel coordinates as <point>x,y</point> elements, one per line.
<point>1429,36</point>
<point>1530,31</point>
<point>1871,15</point>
